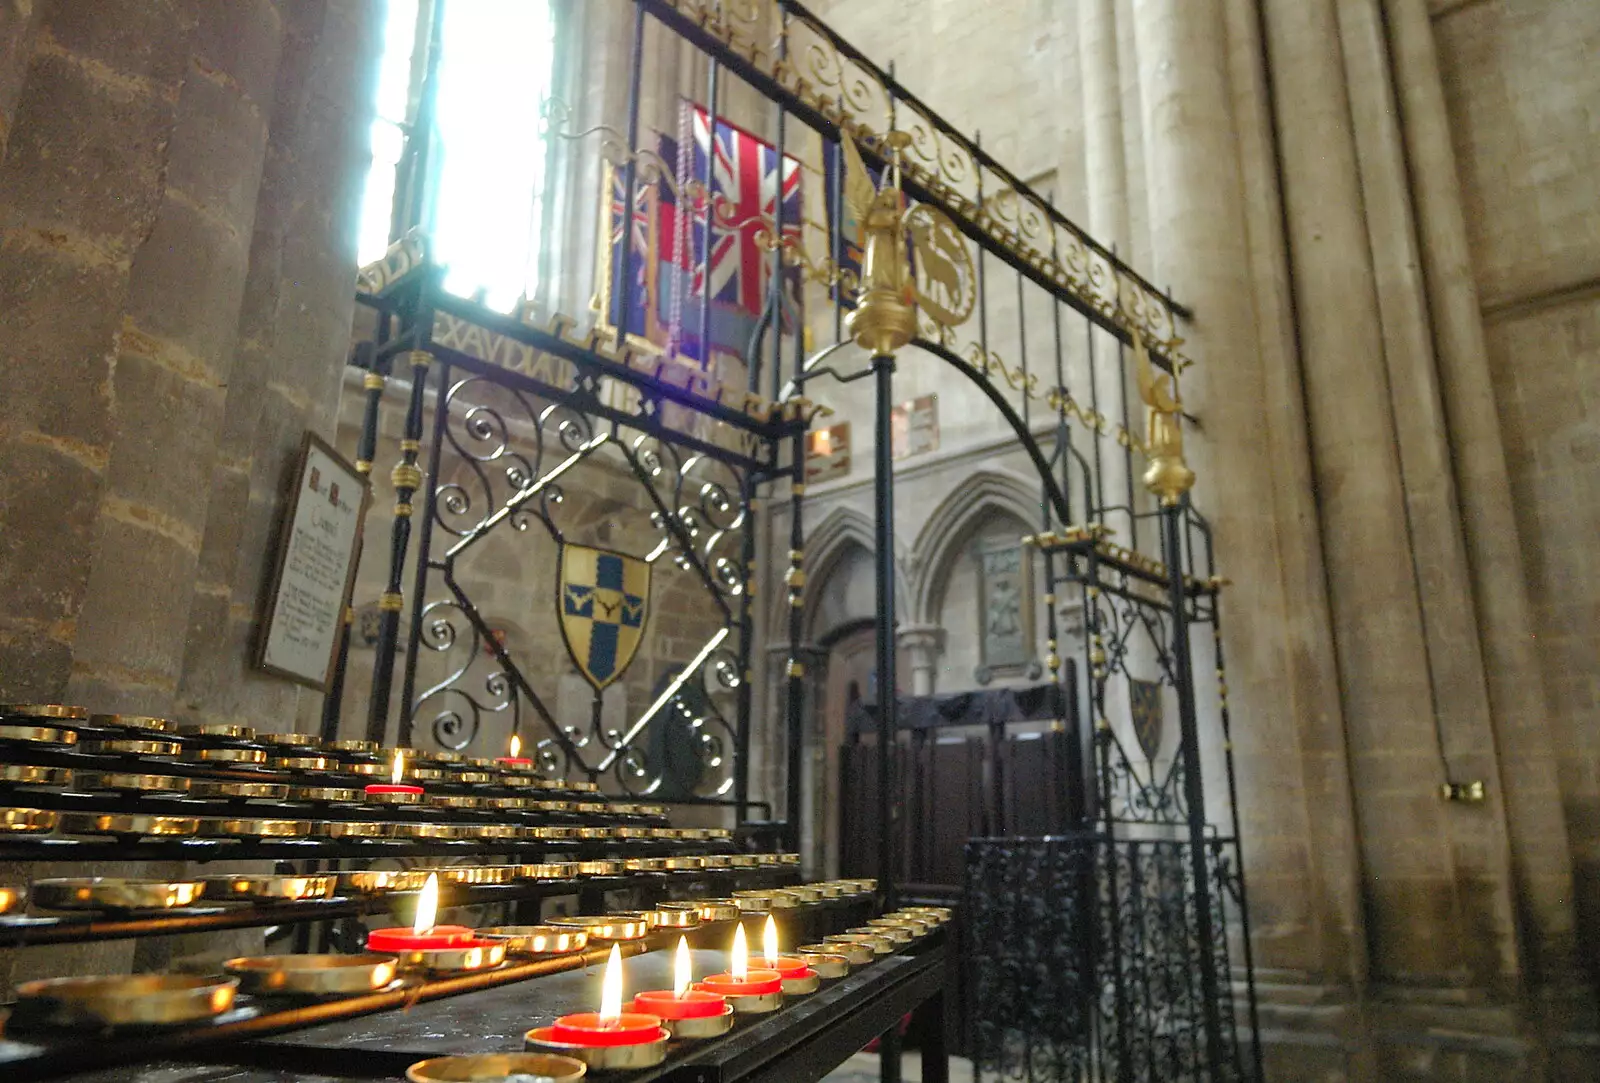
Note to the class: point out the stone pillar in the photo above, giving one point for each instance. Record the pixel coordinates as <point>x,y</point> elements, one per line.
<point>1297,827</point>
<point>816,785</point>
<point>922,645</point>
<point>1418,915</point>
<point>1523,742</point>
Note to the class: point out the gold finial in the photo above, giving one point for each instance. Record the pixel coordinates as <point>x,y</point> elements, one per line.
<point>885,317</point>
<point>1168,476</point>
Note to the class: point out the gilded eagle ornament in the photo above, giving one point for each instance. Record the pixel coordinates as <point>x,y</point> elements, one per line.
<point>1168,476</point>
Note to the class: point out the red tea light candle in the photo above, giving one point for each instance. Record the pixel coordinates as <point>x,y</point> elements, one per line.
<point>423,935</point>
<point>514,758</point>
<point>681,1001</point>
<point>396,791</point>
<point>740,980</point>
<point>789,967</point>
<point>610,1026</point>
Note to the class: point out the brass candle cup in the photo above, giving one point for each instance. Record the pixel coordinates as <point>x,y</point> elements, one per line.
<point>603,867</point>
<point>141,722</point>
<point>938,914</point>
<point>114,893</point>
<point>40,735</point>
<point>553,832</point>
<point>440,755</point>
<point>130,746</point>
<point>473,875</point>
<point>829,964</point>
<point>472,778</point>
<point>290,740</point>
<point>509,803</point>
<point>355,829</point>
<point>827,891</point>
<point>699,1029</point>
<point>480,955</point>
<point>617,1058</point>
<point>372,769</point>
<point>632,832</point>
<point>252,757</point>
<point>433,832</point>
<point>755,1003</point>
<point>626,925</point>
<point>594,834</point>
<point>741,861</point>
<point>538,939</point>
<point>300,763</point>
<point>667,916</point>
<point>592,808</point>
<point>262,791</point>
<point>803,893</point>
<point>219,729</point>
<point>880,945</point>
<point>498,1068</point>
<point>377,881</point>
<point>577,787</point>
<point>124,1000</point>
<point>718,909</point>
<point>335,795</point>
<point>131,782</point>
<point>95,823</point>
<point>852,951</point>
<point>44,710</point>
<point>425,774</point>
<point>454,800</point>
<point>399,797</point>
<point>494,831</point>
<point>548,870</point>
<point>719,861</point>
<point>353,746</point>
<point>684,863</point>
<point>312,975</point>
<point>255,828</point>
<point>32,775</point>
<point>892,921</point>
<point>788,859</point>
<point>269,887</point>
<point>802,986</point>
<point>892,933</point>
<point>541,805</point>
<point>644,864</point>
<point>12,896</point>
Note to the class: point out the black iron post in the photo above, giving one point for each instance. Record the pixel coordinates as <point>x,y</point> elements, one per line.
<point>883,502</point>
<point>1193,790</point>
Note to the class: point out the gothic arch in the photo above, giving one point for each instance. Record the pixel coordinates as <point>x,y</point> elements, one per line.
<point>944,533</point>
<point>841,531</point>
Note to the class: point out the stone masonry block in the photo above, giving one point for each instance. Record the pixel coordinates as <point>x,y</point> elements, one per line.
<point>166,434</point>
<point>225,512</point>
<point>241,41</point>
<point>84,160</point>
<point>33,668</point>
<point>48,508</point>
<point>142,39</point>
<point>135,615</point>
<point>217,150</point>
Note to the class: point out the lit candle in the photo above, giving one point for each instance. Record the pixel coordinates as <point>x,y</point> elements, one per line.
<point>788,966</point>
<point>423,935</point>
<point>514,757</point>
<point>610,1025</point>
<point>740,980</point>
<point>395,787</point>
<point>680,1002</point>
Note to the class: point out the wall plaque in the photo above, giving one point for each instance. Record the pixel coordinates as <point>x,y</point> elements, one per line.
<point>914,427</point>
<point>1005,625</point>
<point>316,567</point>
<point>828,453</point>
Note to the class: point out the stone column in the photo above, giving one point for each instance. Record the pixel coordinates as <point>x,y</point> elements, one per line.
<point>1297,829</point>
<point>1418,915</point>
<point>1523,742</point>
<point>922,644</point>
<point>816,785</point>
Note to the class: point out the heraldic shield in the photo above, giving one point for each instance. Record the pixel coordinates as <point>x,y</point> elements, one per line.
<point>602,598</point>
<point>1144,702</point>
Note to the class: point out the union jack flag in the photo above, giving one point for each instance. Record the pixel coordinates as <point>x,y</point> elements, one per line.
<point>669,265</point>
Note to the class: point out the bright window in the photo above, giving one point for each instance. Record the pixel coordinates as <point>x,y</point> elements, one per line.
<point>485,188</point>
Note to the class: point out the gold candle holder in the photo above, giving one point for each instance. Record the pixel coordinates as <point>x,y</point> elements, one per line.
<point>617,1058</point>
<point>127,1000</point>
<point>602,867</point>
<point>625,925</point>
<point>880,945</point>
<point>431,832</point>
<point>255,828</point>
<point>701,1028</point>
<point>827,891</point>
<point>593,834</point>
<point>916,926</point>
<point>30,775</point>
<point>451,800</point>
<point>827,964</point>
<point>12,897</point>
<point>477,875</point>
<point>552,806</point>
<point>482,955</point>
<point>290,740</point>
<point>44,710</point>
<point>495,831</point>
<point>131,782</point>
<point>39,735</point>
<point>895,934</point>
<point>114,893</point>
<point>333,795</point>
<point>803,893</point>
<point>94,823</point>
<point>472,778</point>
<point>553,832</point>
<point>425,774</point>
<point>644,864</point>
<point>378,881</point>
<point>498,1068</point>
<point>718,909</point>
<point>219,729</point>
<point>301,763</point>
<point>141,722</point>
<point>130,746</point>
<point>592,808</point>
<point>853,952</point>
<point>398,797</point>
<point>803,986</point>
<point>269,887</point>
<point>673,916</point>
<point>264,791</point>
<point>538,939</point>
<point>684,863</point>
<point>354,829</point>
<point>548,870</point>
<point>312,975</point>
<point>788,859</point>
<point>250,757</point>
<point>367,747</point>
<point>509,803</point>
<point>719,861</point>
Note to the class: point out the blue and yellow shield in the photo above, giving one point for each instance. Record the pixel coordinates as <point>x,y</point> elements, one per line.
<point>602,598</point>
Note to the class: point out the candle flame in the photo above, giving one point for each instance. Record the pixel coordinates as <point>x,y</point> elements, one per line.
<point>399,767</point>
<point>682,970</point>
<point>739,964</point>
<point>427,906</point>
<point>769,943</point>
<point>611,990</point>
<point>516,746</point>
